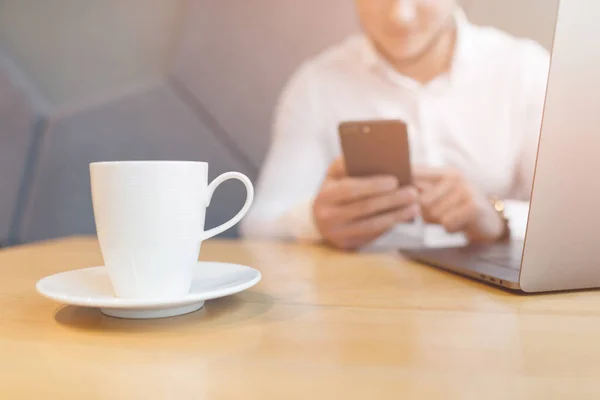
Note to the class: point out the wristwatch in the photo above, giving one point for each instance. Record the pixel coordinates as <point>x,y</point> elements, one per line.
<point>499,207</point>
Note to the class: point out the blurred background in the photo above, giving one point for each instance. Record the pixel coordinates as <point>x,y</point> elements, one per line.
<point>96,80</point>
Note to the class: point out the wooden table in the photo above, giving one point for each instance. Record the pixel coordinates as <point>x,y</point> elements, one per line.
<point>321,324</point>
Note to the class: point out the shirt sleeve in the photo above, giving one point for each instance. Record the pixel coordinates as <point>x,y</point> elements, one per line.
<point>294,167</point>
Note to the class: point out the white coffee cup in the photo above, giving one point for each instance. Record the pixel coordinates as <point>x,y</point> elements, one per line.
<point>150,223</point>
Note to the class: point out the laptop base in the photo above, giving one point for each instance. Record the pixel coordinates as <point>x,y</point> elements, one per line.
<point>497,264</point>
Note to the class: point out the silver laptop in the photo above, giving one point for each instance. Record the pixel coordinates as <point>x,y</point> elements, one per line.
<point>561,249</point>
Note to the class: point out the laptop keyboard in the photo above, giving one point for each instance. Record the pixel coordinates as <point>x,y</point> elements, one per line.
<point>507,257</point>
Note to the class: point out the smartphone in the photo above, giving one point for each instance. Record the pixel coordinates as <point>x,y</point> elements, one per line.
<point>378,147</point>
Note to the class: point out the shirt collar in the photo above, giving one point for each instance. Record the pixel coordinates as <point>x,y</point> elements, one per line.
<point>374,60</point>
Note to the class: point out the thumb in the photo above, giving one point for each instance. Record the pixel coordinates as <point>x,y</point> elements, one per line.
<point>337,169</point>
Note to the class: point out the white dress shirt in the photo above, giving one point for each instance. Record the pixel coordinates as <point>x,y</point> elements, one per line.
<point>483,117</point>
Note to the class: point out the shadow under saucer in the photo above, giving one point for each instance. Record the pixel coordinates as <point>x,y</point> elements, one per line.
<point>216,313</point>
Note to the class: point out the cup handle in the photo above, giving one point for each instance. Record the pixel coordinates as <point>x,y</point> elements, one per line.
<point>249,199</point>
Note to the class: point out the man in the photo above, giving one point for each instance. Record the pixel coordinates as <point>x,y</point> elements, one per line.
<point>471,96</point>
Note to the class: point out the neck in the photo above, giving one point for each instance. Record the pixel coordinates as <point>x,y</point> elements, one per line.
<point>431,62</point>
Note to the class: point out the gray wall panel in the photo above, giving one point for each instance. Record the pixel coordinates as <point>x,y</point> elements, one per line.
<point>18,118</point>
<point>235,57</point>
<point>152,125</point>
<point>534,19</point>
<point>74,50</point>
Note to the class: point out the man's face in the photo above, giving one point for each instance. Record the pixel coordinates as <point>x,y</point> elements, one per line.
<point>404,29</point>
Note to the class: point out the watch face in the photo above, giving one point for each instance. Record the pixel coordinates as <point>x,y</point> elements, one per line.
<point>497,204</point>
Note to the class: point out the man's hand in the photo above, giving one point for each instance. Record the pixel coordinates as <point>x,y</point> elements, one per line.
<point>352,212</point>
<point>447,198</point>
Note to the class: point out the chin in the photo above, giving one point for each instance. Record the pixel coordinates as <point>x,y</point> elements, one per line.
<point>406,56</point>
<point>404,53</point>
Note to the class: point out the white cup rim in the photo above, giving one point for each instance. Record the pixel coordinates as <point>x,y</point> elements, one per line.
<point>147,162</point>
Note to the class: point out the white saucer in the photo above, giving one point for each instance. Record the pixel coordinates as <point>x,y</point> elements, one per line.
<point>90,287</point>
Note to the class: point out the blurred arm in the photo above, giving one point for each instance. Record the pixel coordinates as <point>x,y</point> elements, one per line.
<point>294,167</point>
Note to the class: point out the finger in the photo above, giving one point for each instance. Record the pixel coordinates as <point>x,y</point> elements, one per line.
<point>437,192</point>
<point>458,220</point>
<point>364,231</point>
<point>337,169</point>
<point>423,186</point>
<point>349,190</point>
<point>428,174</point>
<point>447,204</point>
<point>395,200</point>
